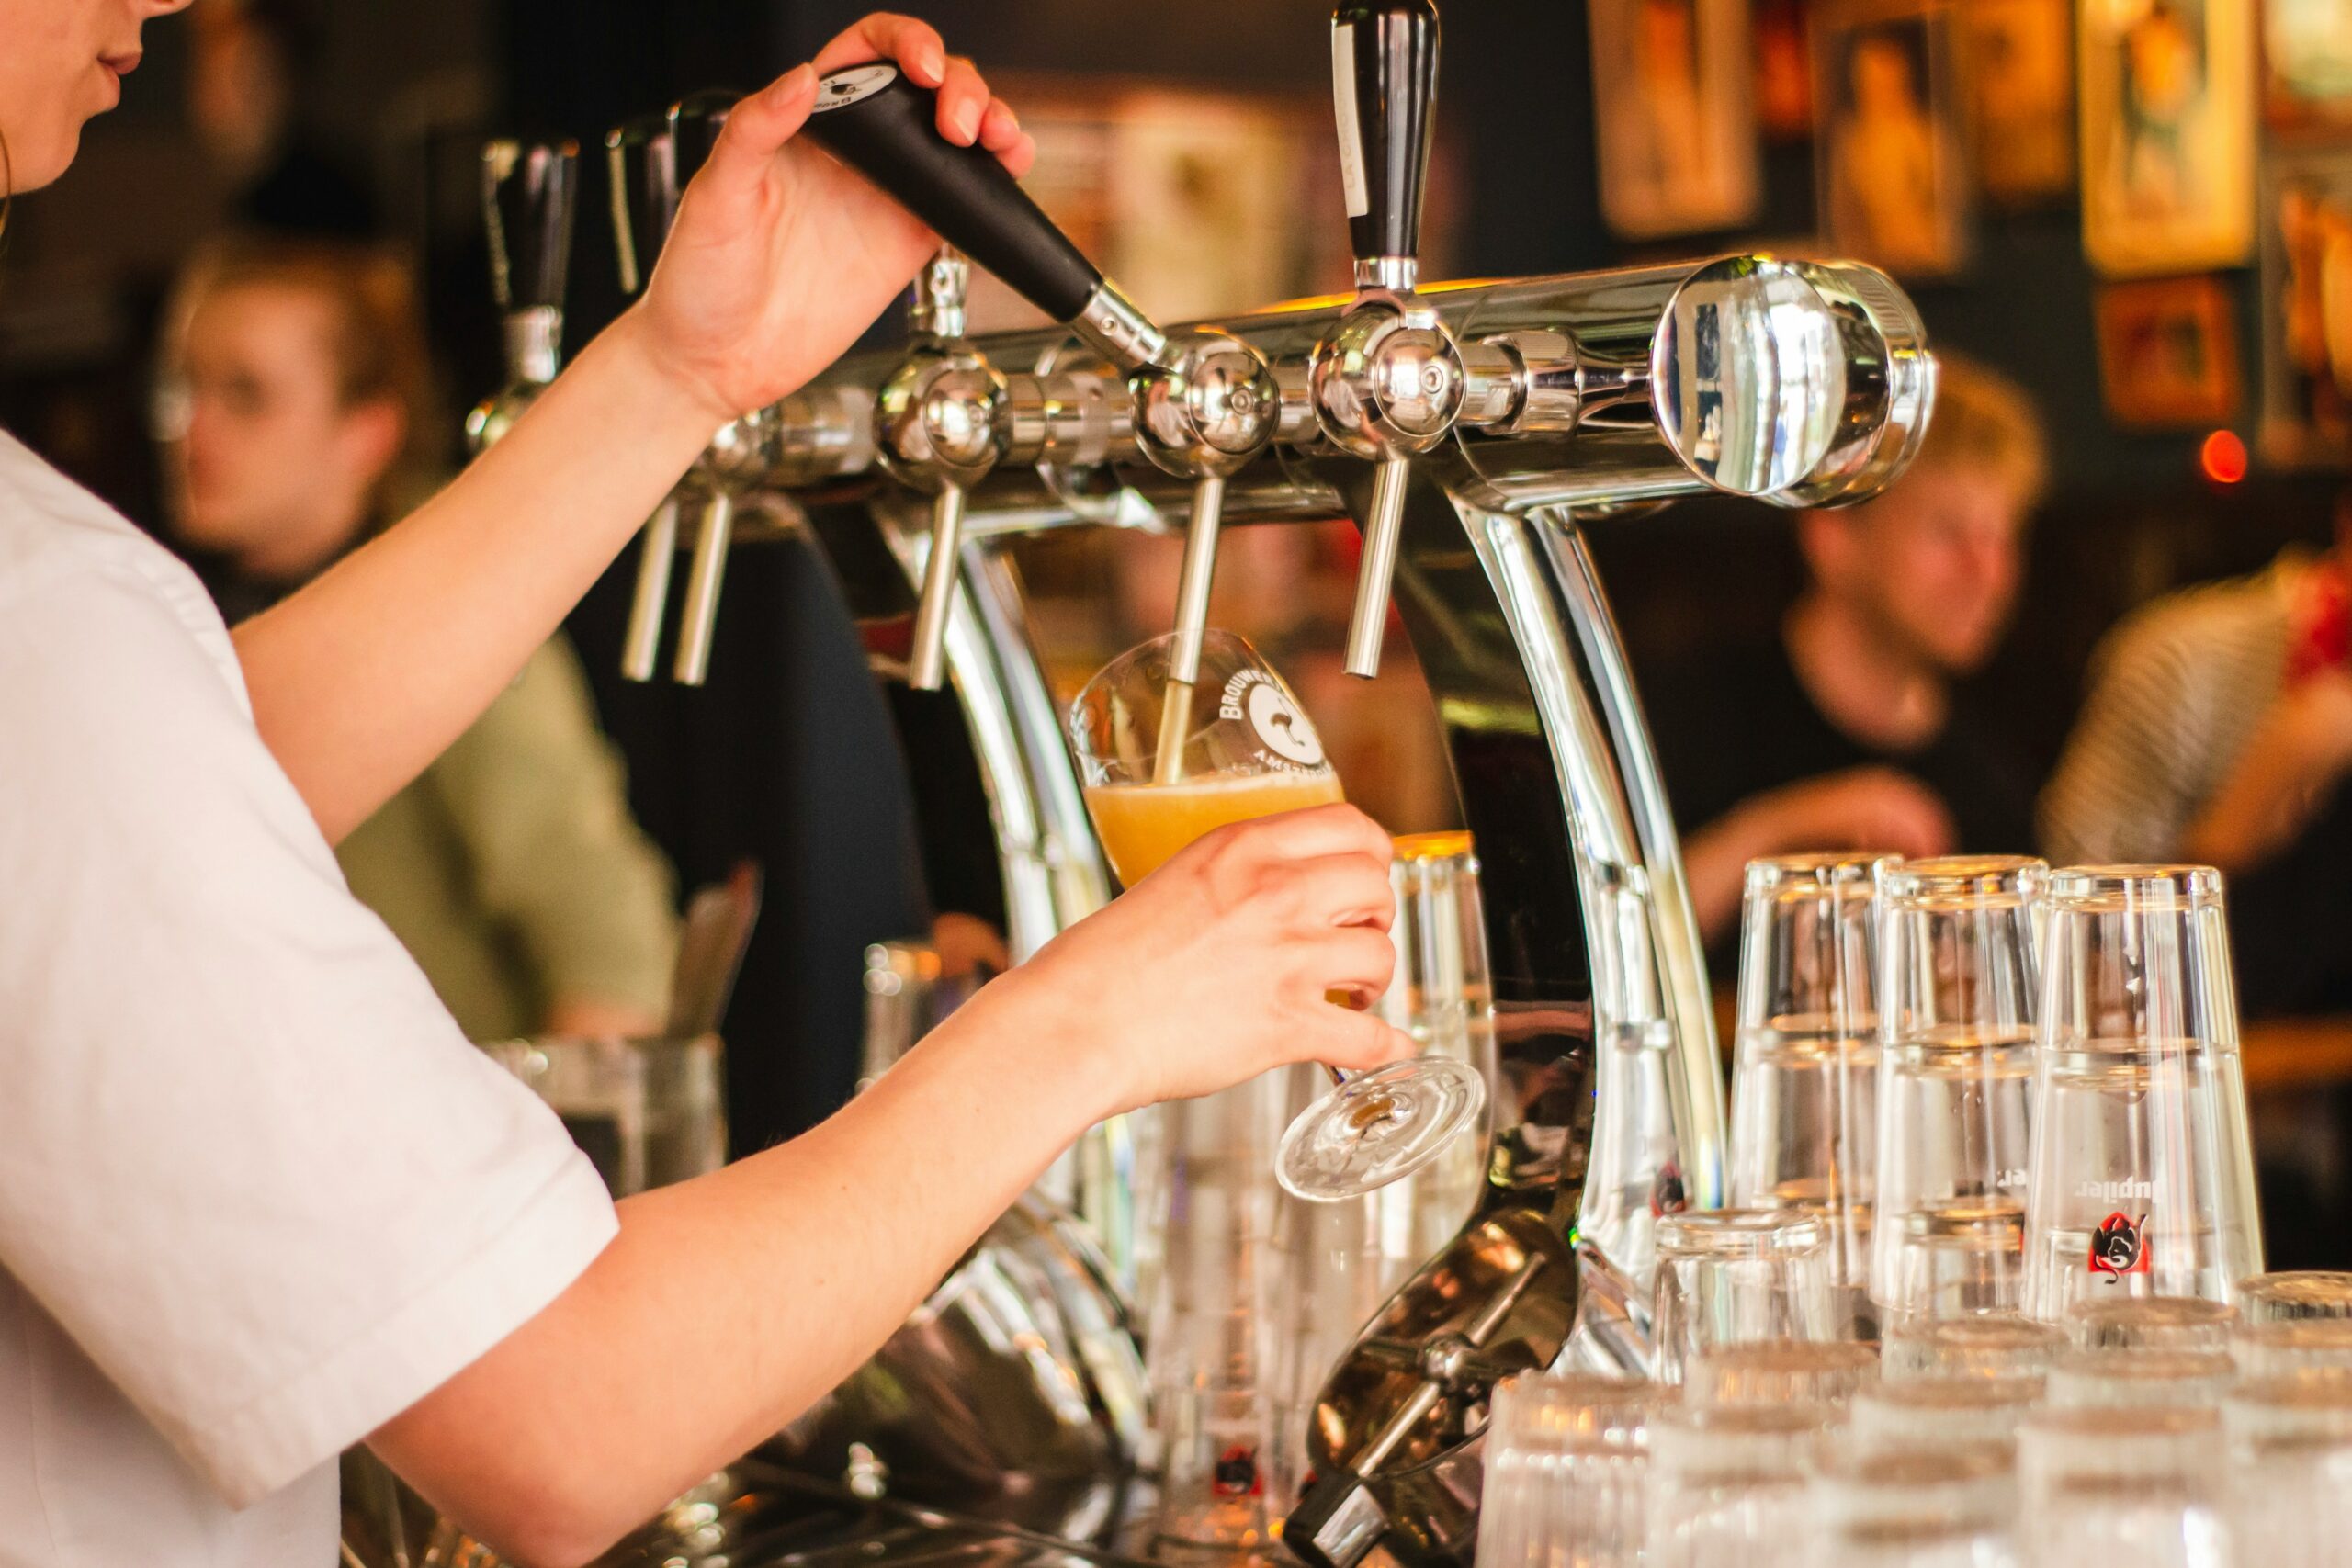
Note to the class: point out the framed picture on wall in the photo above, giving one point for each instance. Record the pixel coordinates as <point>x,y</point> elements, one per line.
<point>2168,134</point>
<point>1784,70</point>
<point>2307,45</point>
<point>2168,352</point>
<point>2017,68</point>
<point>1672,93</point>
<point>2307,308</point>
<point>1892,171</point>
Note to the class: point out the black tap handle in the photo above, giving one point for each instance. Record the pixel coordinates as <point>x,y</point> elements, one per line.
<point>642,155</point>
<point>1384,86</point>
<point>887,128</point>
<point>529,190</point>
<point>695,122</point>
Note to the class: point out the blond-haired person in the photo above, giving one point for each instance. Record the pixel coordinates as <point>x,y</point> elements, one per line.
<point>1846,731</point>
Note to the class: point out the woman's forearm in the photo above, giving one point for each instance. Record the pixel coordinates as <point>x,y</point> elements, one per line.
<point>731,1302</point>
<point>366,675</point>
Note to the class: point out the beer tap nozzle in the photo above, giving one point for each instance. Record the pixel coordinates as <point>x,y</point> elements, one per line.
<point>1388,381</point>
<point>640,156</point>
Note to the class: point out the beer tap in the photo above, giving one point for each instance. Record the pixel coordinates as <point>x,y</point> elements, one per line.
<point>1205,403</point>
<point>1388,380</point>
<point>941,424</point>
<point>653,162</point>
<point>739,453</point>
<point>640,157</point>
<point>528,191</point>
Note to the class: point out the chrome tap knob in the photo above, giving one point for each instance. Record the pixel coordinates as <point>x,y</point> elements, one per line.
<point>529,191</point>
<point>1388,382</point>
<point>1204,410</point>
<point>941,423</point>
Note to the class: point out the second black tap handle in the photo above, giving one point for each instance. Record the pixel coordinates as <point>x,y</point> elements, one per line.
<point>1384,86</point>
<point>695,122</point>
<point>528,190</point>
<point>887,128</point>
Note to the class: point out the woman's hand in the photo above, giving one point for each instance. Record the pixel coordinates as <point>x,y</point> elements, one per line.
<point>780,257</point>
<point>1215,967</point>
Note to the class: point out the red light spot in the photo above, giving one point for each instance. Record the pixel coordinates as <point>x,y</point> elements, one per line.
<point>2222,457</point>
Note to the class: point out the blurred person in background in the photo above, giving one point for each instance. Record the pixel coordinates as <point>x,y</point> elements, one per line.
<point>297,424</point>
<point>246,64</point>
<point>1846,732</point>
<point>2218,729</point>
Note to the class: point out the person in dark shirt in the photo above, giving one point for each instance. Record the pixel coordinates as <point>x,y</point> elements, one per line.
<point>1845,732</point>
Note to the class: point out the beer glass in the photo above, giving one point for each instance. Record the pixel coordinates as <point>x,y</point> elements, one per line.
<point>2153,1323</point>
<point>1567,1472</point>
<point>1780,1372</point>
<point>1956,990</point>
<point>1804,1068</point>
<point>2142,1169</point>
<point>1735,1276</point>
<point>2137,1486</point>
<point>1729,1483</point>
<point>1942,1412</point>
<point>1920,1507</point>
<point>1989,1347</point>
<point>1164,761</point>
<point>2138,1379</point>
<point>2279,1298</point>
<point>2290,1471</point>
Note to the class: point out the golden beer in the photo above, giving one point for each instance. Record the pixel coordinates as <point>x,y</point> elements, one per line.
<point>1141,825</point>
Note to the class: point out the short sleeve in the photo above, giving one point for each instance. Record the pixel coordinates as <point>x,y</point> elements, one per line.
<point>247,1160</point>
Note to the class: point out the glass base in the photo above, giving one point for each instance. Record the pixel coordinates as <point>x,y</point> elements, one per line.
<point>1377,1127</point>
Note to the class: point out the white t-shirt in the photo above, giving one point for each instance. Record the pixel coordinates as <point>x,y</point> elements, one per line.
<point>257,1194</point>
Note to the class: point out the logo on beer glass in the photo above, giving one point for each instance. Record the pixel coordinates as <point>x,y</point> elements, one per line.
<point>1254,698</point>
<point>1666,1193</point>
<point>2120,1246</point>
<point>1237,1473</point>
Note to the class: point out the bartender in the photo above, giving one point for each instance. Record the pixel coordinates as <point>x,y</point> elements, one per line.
<point>259,1200</point>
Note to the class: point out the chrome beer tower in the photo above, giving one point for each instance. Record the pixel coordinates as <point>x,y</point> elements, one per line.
<point>1471,430</point>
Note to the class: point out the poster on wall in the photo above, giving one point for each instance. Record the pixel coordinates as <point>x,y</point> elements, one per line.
<point>1892,172</point>
<point>1784,70</point>
<point>2018,70</point>
<point>2168,134</point>
<point>2168,352</point>
<point>2308,47</point>
<point>1672,89</point>
<point>2307,308</point>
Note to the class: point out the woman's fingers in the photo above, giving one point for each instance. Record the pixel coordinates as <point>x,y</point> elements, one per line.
<point>1356,959</point>
<point>915,47</point>
<point>759,126</point>
<point>1345,890</point>
<point>1359,1042</point>
<point>963,103</point>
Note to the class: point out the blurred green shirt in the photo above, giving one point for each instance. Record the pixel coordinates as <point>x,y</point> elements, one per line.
<point>513,870</point>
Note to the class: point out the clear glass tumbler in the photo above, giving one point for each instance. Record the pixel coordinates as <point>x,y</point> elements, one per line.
<point>1996,1346</point>
<point>2293,1344</point>
<point>2140,1379</point>
<point>1730,1484</point>
<point>1806,1054</point>
<point>2291,1470</point>
<point>1935,1412</point>
<point>2153,1323</point>
<point>1567,1473</point>
<point>2143,1169</point>
<point>1735,1276</point>
<point>2137,1486</point>
<point>1780,1372</point>
<point>2277,1298</point>
<point>1921,1508</point>
<point>1957,990</point>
